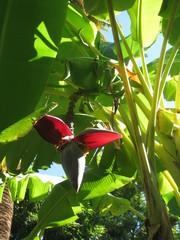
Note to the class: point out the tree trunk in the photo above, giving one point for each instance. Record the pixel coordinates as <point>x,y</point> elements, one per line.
<point>164,231</point>
<point>6,213</point>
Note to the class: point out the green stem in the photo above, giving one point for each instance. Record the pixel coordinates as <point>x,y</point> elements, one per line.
<point>144,67</point>
<point>126,120</point>
<point>168,66</point>
<point>152,120</point>
<point>145,86</point>
<point>142,105</point>
<point>149,178</point>
<point>177,99</point>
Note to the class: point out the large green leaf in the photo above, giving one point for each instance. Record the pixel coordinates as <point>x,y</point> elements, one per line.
<point>99,8</point>
<point>23,126</point>
<point>145,21</point>
<point>59,208</point>
<point>97,182</point>
<point>30,35</point>
<point>167,7</point>
<point>39,186</point>
<point>166,12</point>
<point>77,24</point>
<point>175,31</point>
<point>77,28</point>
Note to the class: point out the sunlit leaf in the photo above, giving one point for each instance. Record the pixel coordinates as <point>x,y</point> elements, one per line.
<point>145,21</point>
<point>97,183</point>
<point>13,186</point>
<point>23,126</point>
<point>78,24</point>
<point>170,89</point>
<point>167,121</point>
<point>29,31</point>
<point>164,185</point>
<point>38,193</point>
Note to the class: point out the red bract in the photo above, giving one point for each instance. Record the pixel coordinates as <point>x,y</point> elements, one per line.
<point>56,132</point>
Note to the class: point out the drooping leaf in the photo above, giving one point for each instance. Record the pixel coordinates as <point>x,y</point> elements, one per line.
<point>119,206</point>
<point>23,126</point>
<point>145,21</point>
<point>31,32</point>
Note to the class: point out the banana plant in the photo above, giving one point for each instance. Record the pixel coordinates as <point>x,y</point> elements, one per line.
<point>64,53</point>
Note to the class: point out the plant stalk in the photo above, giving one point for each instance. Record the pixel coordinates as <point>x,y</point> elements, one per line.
<point>156,96</point>
<point>149,178</point>
<point>147,90</point>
